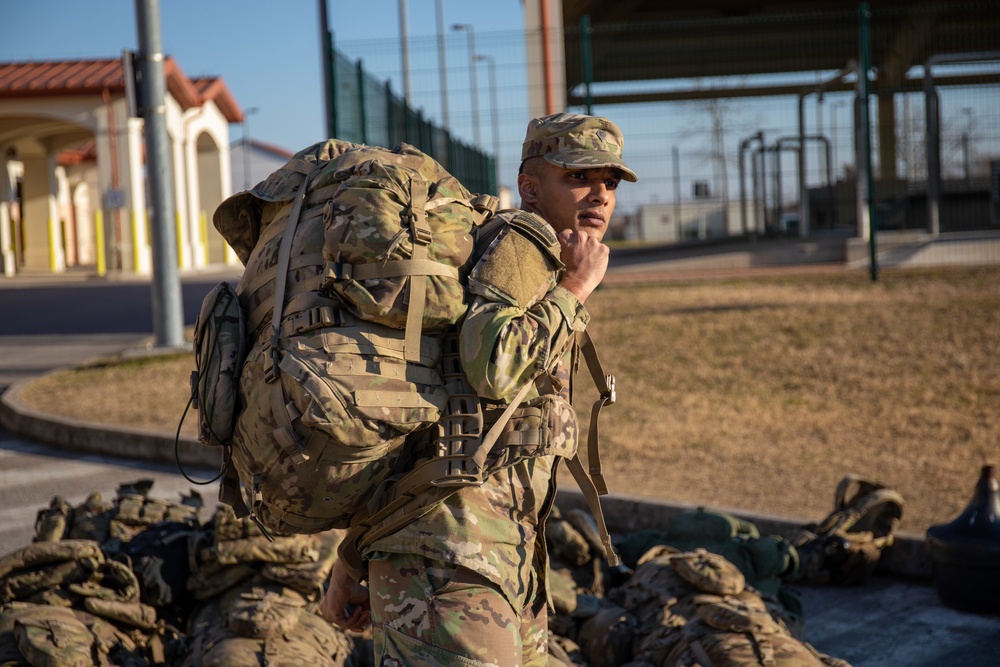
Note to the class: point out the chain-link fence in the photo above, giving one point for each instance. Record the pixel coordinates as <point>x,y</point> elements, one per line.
<point>729,121</point>
<point>365,110</point>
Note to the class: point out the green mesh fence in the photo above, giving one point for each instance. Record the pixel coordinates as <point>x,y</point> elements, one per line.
<point>366,111</point>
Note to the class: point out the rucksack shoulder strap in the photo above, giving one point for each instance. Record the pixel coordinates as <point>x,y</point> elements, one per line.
<point>591,480</point>
<point>281,277</point>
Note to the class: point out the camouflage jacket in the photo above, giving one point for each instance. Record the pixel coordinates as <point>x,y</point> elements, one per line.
<point>519,324</point>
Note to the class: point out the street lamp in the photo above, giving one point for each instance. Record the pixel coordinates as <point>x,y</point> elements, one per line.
<point>472,75</point>
<point>246,146</point>
<point>494,113</point>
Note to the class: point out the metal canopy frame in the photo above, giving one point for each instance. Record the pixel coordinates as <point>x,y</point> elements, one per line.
<point>640,41</point>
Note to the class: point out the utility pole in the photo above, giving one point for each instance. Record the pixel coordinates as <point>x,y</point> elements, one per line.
<point>326,53</point>
<point>168,316</point>
<point>446,122</point>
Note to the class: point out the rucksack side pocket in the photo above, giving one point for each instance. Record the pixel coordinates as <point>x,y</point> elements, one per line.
<point>220,340</point>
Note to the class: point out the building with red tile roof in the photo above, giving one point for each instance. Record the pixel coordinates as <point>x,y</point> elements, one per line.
<point>72,166</point>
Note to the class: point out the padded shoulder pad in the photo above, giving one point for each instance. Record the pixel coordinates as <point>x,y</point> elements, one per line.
<point>536,229</point>
<point>521,262</point>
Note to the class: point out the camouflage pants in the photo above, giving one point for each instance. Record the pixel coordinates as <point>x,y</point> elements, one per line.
<point>434,614</point>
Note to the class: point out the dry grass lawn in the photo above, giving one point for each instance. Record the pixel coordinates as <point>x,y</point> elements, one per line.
<point>758,394</point>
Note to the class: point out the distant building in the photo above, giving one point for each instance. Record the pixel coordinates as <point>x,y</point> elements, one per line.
<point>72,167</point>
<point>253,161</point>
<point>696,219</point>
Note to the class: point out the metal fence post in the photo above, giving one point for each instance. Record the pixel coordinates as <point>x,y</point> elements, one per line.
<point>361,102</point>
<point>588,67</point>
<point>866,136</point>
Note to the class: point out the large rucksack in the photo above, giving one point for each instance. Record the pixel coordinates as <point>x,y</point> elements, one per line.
<point>846,546</point>
<point>356,264</point>
<point>355,260</point>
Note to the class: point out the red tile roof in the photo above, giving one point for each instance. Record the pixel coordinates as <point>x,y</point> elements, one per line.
<point>93,77</point>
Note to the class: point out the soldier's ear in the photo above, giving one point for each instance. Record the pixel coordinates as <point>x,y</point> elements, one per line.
<point>527,187</point>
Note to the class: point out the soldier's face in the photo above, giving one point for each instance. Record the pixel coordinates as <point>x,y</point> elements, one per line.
<point>578,199</point>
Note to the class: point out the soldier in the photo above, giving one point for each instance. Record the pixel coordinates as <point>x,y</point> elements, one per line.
<point>465,583</point>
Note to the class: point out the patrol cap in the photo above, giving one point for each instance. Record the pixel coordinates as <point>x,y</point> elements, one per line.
<point>571,140</point>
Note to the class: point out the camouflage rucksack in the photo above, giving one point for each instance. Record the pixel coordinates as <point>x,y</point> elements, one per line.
<point>354,262</point>
<point>845,547</point>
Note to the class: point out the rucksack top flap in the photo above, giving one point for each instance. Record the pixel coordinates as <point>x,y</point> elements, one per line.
<point>238,221</point>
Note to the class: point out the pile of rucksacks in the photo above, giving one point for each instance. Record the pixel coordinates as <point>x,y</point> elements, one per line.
<point>708,589</point>
<point>138,581</point>
<point>142,582</point>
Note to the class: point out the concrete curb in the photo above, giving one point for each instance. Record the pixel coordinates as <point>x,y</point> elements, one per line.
<point>76,435</point>
<point>907,557</point>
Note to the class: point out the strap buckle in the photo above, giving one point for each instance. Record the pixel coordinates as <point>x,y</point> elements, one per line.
<point>271,359</point>
<point>421,233</point>
<point>318,318</point>
<point>611,395</point>
<point>457,476</point>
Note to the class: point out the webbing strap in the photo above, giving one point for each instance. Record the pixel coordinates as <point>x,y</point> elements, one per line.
<point>301,166</point>
<point>421,235</point>
<point>317,195</point>
<point>297,262</point>
<point>285,433</point>
<point>592,495</point>
<point>402,267</point>
<point>606,388</point>
<point>484,447</point>
<point>281,278</point>
<point>229,490</point>
<point>312,319</point>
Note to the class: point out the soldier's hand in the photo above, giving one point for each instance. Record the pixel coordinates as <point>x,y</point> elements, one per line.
<point>346,603</point>
<point>586,260</point>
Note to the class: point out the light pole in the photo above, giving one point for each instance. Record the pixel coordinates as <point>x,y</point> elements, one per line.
<point>246,145</point>
<point>472,76</point>
<point>494,112</point>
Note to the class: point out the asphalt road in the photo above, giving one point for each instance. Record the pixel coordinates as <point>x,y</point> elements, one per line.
<point>49,323</point>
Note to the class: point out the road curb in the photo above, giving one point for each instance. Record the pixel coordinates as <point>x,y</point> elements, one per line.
<point>76,435</point>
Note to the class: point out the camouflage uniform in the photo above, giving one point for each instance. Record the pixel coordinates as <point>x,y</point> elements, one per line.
<point>465,583</point>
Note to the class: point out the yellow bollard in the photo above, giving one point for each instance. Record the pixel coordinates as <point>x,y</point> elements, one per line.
<point>102,260</point>
<point>53,254</point>
<point>136,256</point>
<point>180,240</point>
<point>203,232</point>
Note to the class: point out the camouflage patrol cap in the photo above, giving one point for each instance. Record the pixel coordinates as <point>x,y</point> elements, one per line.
<point>571,140</point>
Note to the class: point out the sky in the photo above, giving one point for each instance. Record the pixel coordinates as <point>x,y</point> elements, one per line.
<point>268,52</point>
